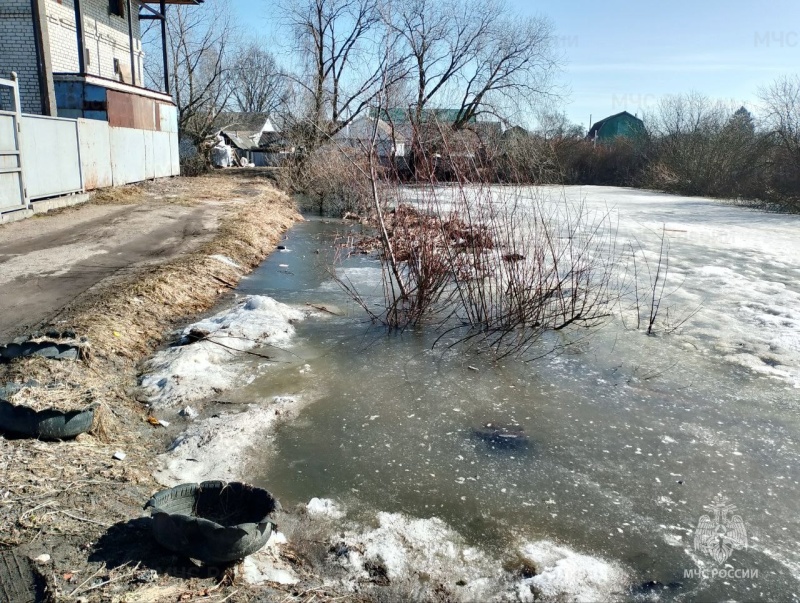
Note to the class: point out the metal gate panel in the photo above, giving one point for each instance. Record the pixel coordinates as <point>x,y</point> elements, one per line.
<point>127,155</point>
<point>95,154</point>
<point>51,156</point>
<point>162,159</point>
<point>13,195</point>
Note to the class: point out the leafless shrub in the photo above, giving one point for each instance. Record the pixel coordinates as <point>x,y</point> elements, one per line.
<point>702,147</point>
<point>331,181</point>
<point>643,293</point>
<point>550,269</point>
<point>490,267</point>
<point>195,165</point>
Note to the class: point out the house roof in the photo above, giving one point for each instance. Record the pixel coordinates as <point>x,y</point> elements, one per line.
<point>599,124</point>
<point>272,140</point>
<point>362,129</point>
<point>246,131</point>
<point>240,140</point>
<point>515,132</point>
<point>242,122</point>
<point>486,129</point>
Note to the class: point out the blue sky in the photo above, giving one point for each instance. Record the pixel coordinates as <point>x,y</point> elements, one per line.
<point>624,55</point>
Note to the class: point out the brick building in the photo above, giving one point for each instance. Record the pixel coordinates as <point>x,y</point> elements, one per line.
<point>72,90</point>
<point>67,52</point>
<point>19,53</point>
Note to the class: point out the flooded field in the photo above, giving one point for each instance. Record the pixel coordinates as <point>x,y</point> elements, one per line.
<point>622,443</point>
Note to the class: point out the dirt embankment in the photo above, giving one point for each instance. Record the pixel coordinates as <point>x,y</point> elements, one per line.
<point>160,253</point>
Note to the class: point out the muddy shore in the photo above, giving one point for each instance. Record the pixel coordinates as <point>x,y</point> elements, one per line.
<point>71,504</point>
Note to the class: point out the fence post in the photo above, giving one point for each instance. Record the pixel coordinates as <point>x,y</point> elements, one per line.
<point>18,137</point>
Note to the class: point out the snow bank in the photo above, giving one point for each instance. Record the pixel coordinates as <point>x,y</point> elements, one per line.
<point>424,558</point>
<point>191,372</point>
<point>218,448</point>
<point>418,556</point>
<point>565,575</point>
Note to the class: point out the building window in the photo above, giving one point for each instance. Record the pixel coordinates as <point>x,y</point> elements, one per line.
<point>116,7</point>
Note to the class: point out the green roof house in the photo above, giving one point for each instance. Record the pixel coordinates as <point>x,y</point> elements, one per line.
<point>621,124</point>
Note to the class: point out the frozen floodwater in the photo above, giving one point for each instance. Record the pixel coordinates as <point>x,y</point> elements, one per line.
<point>629,438</point>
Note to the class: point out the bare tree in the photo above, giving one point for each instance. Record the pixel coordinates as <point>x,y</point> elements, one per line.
<point>705,147</point>
<point>200,43</point>
<point>258,85</point>
<point>556,125</point>
<point>478,59</point>
<point>344,68</point>
<point>782,106</point>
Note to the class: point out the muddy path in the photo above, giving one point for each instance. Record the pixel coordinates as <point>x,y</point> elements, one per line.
<point>120,271</point>
<point>49,262</point>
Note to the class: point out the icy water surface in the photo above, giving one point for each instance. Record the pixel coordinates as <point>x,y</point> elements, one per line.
<point>630,438</point>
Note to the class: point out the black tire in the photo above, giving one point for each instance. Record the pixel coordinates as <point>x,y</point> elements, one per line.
<point>19,583</point>
<point>214,522</point>
<point>48,424</point>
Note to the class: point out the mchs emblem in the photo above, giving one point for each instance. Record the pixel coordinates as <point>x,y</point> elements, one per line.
<point>720,535</point>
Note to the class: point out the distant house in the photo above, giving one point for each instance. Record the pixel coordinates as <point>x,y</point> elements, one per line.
<point>621,124</point>
<point>72,86</point>
<point>515,133</point>
<point>400,115</point>
<point>254,137</point>
<point>447,151</point>
<point>360,133</point>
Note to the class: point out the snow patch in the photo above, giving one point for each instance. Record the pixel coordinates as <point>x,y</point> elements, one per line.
<point>565,575</point>
<point>422,553</point>
<point>226,260</point>
<point>218,448</point>
<point>267,566</point>
<point>324,507</point>
<point>422,556</point>
<point>191,372</point>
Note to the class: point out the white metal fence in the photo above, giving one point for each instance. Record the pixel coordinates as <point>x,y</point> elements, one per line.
<point>51,156</point>
<point>43,157</point>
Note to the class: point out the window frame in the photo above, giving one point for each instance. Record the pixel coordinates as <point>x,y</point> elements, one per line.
<point>116,8</point>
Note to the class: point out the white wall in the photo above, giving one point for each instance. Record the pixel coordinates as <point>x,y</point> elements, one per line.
<point>106,38</point>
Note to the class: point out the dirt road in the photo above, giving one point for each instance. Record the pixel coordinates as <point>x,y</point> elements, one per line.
<point>119,271</point>
<point>49,262</point>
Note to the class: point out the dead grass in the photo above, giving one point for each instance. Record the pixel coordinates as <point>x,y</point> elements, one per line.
<point>42,479</point>
<point>59,396</point>
<point>131,319</point>
<point>119,195</point>
<point>75,490</point>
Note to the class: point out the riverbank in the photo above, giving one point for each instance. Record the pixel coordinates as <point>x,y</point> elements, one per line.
<point>74,501</point>
<point>625,449</point>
